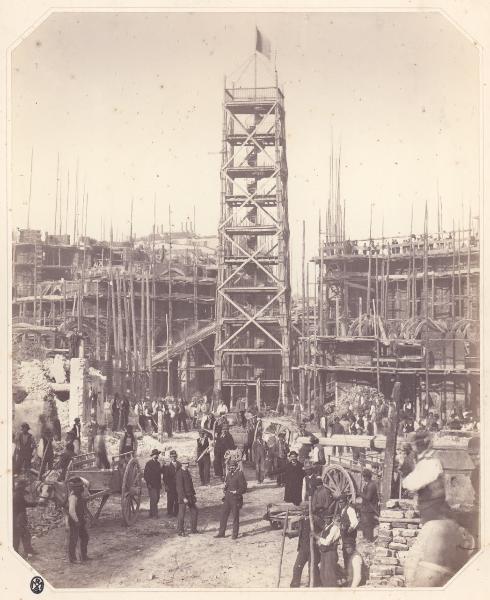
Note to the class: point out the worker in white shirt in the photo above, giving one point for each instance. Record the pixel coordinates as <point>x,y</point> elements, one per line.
<point>222,408</point>
<point>328,541</point>
<point>427,480</point>
<point>348,523</point>
<point>356,569</point>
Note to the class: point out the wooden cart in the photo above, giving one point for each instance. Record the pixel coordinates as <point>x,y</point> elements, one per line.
<point>123,477</point>
<point>276,514</point>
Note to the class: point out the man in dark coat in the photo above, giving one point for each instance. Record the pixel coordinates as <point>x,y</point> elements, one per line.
<point>123,413</point>
<point>128,442</point>
<point>76,432</point>
<point>282,451</point>
<point>203,458</point>
<point>182,416</point>
<point>235,487</point>
<point>169,478</point>
<point>64,460</point>
<point>369,506</point>
<point>115,413</point>
<point>259,453</point>
<point>303,555</point>
<point>223,442</point>
<point>294,474</point>
<point>21,531</point>
<point>186,497</point>
<point>24,448</point>
<point>337,429</point>
<point>47,450</point>
<point>167,420</point>
<point>153,478</point>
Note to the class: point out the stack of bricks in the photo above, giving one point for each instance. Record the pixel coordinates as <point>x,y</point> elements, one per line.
<point>399,526</point>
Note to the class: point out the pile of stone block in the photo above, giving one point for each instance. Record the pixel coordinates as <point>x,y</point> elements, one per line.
<point>399,526</point>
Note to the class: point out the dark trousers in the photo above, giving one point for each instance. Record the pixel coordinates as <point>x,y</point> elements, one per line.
<point>22,534</point>
<point>46,464</point>
<point>281,465</point>
<point>346,538</point>
<point>368,522</point>
<point>77,532</point>
<point>25,462</point>
<point>172,502</point>
<point>181,516</point>
<point>301,559</point>
<point>204,469</point>
<point>218,465</point>
<point>231,505</point>
<point>260,468</point>
<point>154,494</point>
<point>182,422</point>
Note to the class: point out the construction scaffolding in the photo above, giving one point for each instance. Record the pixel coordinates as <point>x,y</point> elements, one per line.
<point>403,307</point>
<point>252,345</point>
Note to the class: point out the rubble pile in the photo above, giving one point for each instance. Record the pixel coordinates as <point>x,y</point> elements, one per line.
<point>399,526</point>
<point>39,401</point>
<point>354,396</point>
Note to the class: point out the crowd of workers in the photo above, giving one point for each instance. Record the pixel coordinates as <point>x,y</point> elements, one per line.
<point>392,246</point>
<point>336,519</point>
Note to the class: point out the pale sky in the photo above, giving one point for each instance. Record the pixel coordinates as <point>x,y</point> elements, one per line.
<point>136,98</point>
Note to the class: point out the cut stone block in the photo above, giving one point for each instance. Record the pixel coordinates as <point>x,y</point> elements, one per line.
<point>410,533</point>
<point>398,546</point>
<point>392,514</point>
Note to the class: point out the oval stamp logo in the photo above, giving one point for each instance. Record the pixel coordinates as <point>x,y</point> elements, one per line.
<point>37,584</point>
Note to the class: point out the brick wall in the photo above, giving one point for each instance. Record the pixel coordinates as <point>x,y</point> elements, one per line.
<point>399,526</point>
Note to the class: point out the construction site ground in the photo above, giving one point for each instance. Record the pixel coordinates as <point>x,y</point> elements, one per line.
<point>150,554</point>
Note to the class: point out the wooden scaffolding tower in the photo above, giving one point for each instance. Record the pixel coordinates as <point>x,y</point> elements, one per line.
<point>252,345</point>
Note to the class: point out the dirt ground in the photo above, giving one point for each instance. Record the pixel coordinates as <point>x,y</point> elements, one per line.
<point>150,554</point>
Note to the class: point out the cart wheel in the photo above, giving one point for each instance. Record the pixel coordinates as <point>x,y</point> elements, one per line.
<point>131,492</point>
<point>339,481</point>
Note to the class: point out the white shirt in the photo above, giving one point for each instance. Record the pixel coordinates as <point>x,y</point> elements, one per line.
<point>352,516</point>
<point>332,535</point>
<point>222,409</point>
<point>426,471</point>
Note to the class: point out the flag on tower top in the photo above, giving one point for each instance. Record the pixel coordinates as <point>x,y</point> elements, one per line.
<point>263,44</point>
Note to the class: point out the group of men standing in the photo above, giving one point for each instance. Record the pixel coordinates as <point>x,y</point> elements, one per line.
<point>181,495</point>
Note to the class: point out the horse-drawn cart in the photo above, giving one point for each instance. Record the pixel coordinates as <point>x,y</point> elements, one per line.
<point>123,477</point>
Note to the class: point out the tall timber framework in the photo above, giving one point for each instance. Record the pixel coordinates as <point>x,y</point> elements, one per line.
<point>252,344</point>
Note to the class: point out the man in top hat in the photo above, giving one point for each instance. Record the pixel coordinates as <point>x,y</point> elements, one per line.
<point>21,531</point>
<point>369,506</point>
<point>235,487</point>
<point>169,478</point>
<point>153,478</point>
<point>25,447</point>
<point>427,480</point>
<point>186,496</point>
